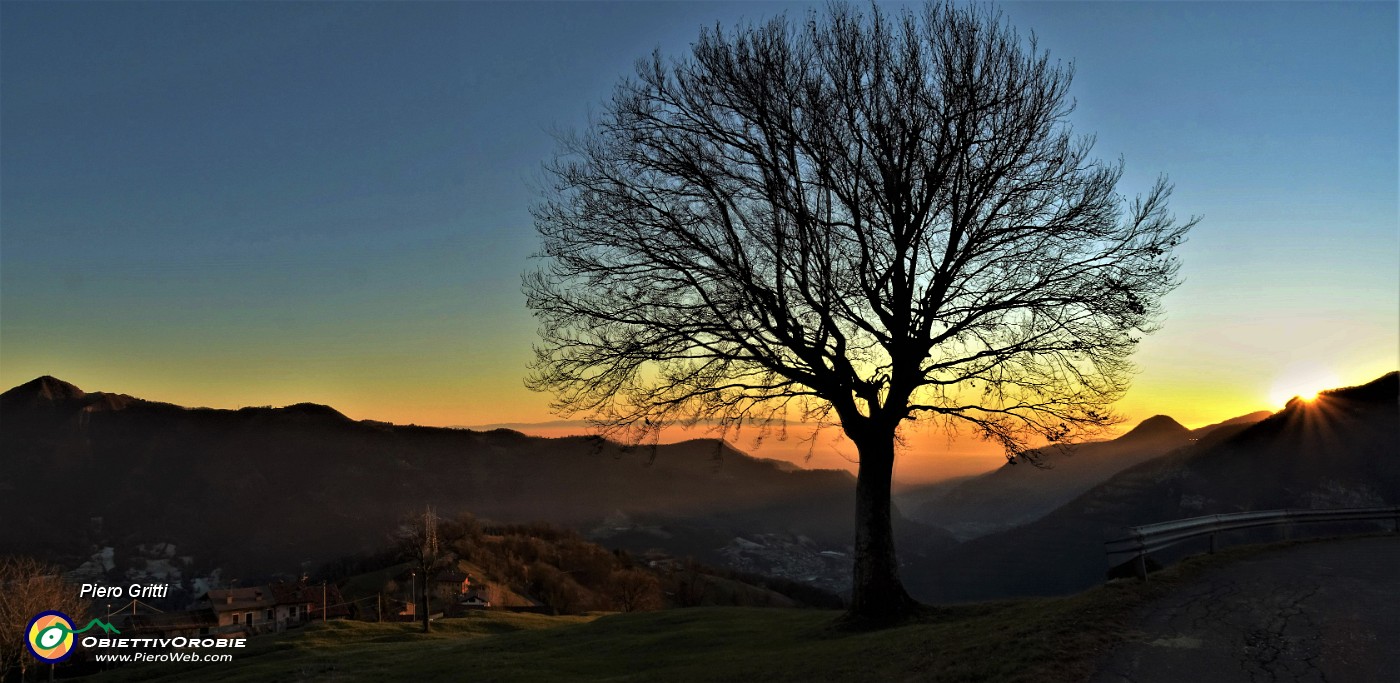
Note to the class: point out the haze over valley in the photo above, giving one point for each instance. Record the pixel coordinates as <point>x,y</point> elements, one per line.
<point>280,491</point>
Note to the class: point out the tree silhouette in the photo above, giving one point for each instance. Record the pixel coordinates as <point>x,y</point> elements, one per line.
<point>857,220</point>
<point>28,587</point>
<point>417,539</point>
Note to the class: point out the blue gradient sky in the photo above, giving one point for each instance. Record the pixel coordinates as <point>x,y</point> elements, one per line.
<point>254,203</point>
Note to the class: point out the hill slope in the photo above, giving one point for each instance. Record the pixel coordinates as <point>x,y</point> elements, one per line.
<point>269,489</point>
<point>1058,639</point>
<point>1341,450</point>
<point>1016,494</point>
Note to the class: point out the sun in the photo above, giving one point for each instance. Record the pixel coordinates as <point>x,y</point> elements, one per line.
<point>1303,384</point>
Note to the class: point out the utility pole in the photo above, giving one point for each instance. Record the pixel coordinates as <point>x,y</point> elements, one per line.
<point>379,607</point>
<point>323,602</point>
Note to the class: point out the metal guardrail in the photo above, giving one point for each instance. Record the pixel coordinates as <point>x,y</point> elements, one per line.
<point>1138,541</point>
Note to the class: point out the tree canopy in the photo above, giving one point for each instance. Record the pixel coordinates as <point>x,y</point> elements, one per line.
<point>860,218</point>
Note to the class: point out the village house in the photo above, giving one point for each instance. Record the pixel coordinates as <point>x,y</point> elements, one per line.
<point>262,609</point>
<point>301,602</point>
<point>245,611</point>
<point>476,598</point>
<point>451,585</point>
<point>189,624</point>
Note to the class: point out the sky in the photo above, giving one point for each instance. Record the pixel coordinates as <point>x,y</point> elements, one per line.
<point>230,204</point>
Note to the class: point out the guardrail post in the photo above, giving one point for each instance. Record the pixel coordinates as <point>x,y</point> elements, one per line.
<point>1142,555</point>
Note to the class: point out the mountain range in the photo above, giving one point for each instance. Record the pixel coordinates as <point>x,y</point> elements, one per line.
<point>272,489</point>
<point>265,490</point>
<point>1021,491</point>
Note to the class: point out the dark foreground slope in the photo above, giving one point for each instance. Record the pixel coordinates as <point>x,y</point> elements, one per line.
<point>1323,611</point>
<point>1341,450</point>
<point>269,489</point>
<point>1031,641</point>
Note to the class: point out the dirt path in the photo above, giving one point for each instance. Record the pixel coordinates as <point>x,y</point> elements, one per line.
<point>1326,611</point>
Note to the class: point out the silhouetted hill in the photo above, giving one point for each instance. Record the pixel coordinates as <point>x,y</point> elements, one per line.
<point>269,489</point>
<point>43,391</point>
<point>1017,494</point>
<point>1241,421</point>
<point>1341,450</point>
<point>1155,428</point>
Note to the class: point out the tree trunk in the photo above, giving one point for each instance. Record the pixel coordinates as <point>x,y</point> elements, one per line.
<point>876,591</point>
<point>426,627</point>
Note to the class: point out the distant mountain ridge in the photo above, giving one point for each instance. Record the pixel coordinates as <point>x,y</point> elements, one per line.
<point>1155,427</point>
<point>264,489</point>
<point>1018,493</point>
<point>1243,420</point>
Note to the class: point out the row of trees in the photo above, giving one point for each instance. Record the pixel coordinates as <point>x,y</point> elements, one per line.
<point>554,566</point>
<point>571,575</point>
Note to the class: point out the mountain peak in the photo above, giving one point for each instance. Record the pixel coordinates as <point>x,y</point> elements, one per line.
<point>296,411</point>
<point>1156,427</point>
<point>46,390</point>
<point>314,410</point>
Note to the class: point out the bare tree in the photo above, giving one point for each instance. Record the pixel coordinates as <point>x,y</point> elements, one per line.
<point>27,588</point>
<point>634,590</point>
<point>858,220</point>
<point>418,541</point>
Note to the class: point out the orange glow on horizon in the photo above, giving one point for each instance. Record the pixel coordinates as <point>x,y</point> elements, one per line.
<point>1303,383</point>
<point>479,396</point>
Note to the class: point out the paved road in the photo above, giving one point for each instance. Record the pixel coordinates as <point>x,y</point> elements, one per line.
<point>1327,611</point>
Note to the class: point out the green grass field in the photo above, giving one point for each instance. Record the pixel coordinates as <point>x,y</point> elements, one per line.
<point>1051,639</point>
<point>1036,640</point>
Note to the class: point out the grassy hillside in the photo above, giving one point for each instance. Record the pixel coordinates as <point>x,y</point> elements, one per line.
<point>537,564</point>
<point>1041,640</point>
<point>1051,639</point>
<point>1006,642</point>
